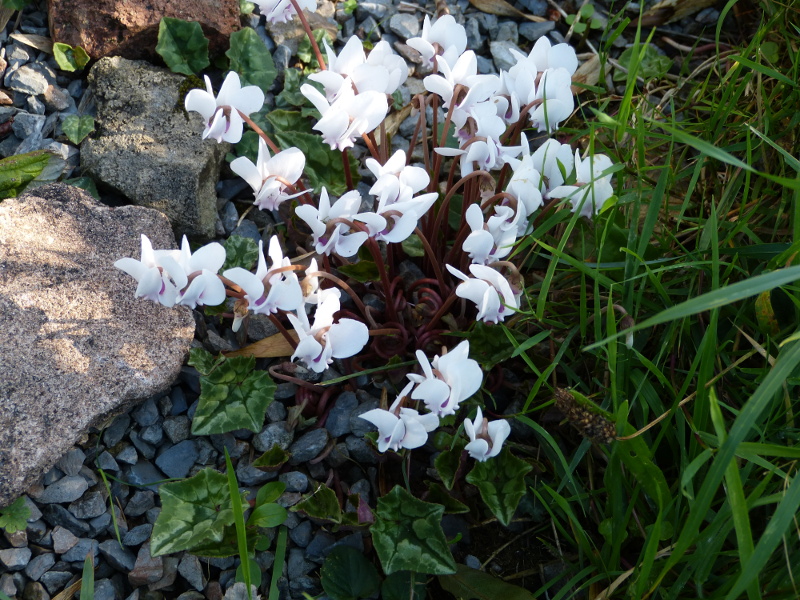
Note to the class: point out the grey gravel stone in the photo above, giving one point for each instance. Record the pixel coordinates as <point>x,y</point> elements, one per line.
<point>318,549</point>
<point>145,449</point>
<point>248,475</point>
<point>247,229</point>
<point>295,481</point>
<point>534,7</point>
<point>15,559</point>
<point>138,535</point>
<point>35,591</point>
<point>65,489</point>
<point>113,435</point>
<point>89,506</point>
<point>18,539</point>
<point>34,105</point>
<point>27,80</point>
<point>144,473</point>
<point>358,426</point>
<point>56,581</point>
<point>508,31</point>
<point>147,569</point>
<point>39,565</point>
<point>472,562</point>
<point>360,450</point>
<point>707,16</point>
<point>17,55</point>
<point>177,428</point>
<point>405,25</point>
<point>63,539</point>
<point>276,411</point>
<point>301,535</point>
<point>36,532</point>
<point>274,433</point>
<point>229,217</point>
<point>104,589</point>
<point>118,557</point>
<point>27,125</point>
<point>57,99</point>
<point>338,422</point>
<point>79,551</point>
<point>338,456</point>
<point>533,31</point>
<point>100,524</point>
<point>56,514</point>
<point>297,564</point>
<point>147,413</point>
<point>308,446</point>
<point>128,455</point>
<point>377,9</point>
<point>192,571</point>
<point>177,460</point>
<point>152,434</point>
<point>106,462</point>
<point>140,503</point>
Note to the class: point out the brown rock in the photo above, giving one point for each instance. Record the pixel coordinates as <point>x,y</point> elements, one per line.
<point>148,569</point>
<point>76,347</point>
<point>129,28</point>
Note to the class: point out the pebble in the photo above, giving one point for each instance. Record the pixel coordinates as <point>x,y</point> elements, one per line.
<point>104,589</point>
<point>89,506</point>
<point>192,571</point>
<point>15,559</point>
<point>128,455</point>
<point>533,31</point>
<point>405,25</point>
<point>508,31</point>
<point>147,413</point>
<point>707,16</point>
<point>295,481</point>
<point>274,433</point>
<point>358,426</point>
<point>106,462</point>
<point>80,550</point>
<point>117,556</point>
<point>301,535</point>
<point>534,7</point>
<point>35,591</point>
<point>249,475</point>
<point>63,540</point>
<point>27,80</point>
<point>26,124</point>
<point>138,535</point>
<point>147,569</point>
<point>144,473</point>
<point>113,435</point>
<point>178,459</point>
<point>377,9</point>
<point>360,450</point>
<point>308,446</point>
<point>152,434</point>
<point>140,503</point>
<point>39,565</point>
<point>65,489</point>
<point>501,54</point>
<point>338,422</point>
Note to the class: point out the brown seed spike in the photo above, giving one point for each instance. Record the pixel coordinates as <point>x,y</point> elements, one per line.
<point>589,423</point>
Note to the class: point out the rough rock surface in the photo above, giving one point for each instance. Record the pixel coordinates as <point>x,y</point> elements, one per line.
<point>130,28</point>
<point>77,346</point>
<point>148,149</point>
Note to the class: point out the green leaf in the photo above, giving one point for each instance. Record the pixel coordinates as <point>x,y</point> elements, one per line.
<point>408,535</point>
<point>439,495</point>
<point>87,578</point>
<point>194,512</point>
<point>306,53</point>
<point>501,482</point>
<point>652,65</point>
<point>290,96</point>
<point>467,584</point>
<point>238,520</point>
<point>273,459</point>
<point>233,396</point>
<point>250,59</point>
<point>362,271</point>
<point>246,7</point>
<point>270,492</point>
<point>69,58</point>
<point>320,504</point>
<point>203,360</point>
<point>14,517</point>
<point>240,252</point>
<point>267,515</point>
<point>254,575</point>
<point>412,246</point>
<point>16,172</point>
<point>77,128</point>
<point>182,45</point>
<point>347,575</point>
<point>15,4</point>
<point>85,183</point>
<point>448,463</point>
<point>403,585</point>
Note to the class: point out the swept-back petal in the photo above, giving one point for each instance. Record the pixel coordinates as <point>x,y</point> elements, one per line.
<point>347,338</point>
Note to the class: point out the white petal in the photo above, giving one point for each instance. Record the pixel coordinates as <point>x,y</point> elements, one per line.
<point>347,338</point>
<point>201,102</point>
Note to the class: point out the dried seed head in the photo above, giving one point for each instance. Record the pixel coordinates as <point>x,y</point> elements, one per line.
<point>584,417</point>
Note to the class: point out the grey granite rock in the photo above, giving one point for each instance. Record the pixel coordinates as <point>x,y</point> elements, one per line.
<point>84,361</point>
<point>178,459</point>
<point>192,571</point>
<point>533,31</point>
<point>72,461</point>
<point>89,506</point>
<point>79,551</point>
<point>146,413</point>
<point>308,446</point>
<point>147,569</point>
<point>405,25</point>
<point>295,481</point>
<point>117,556</point>
<point>501,54</point>
<point>27,80</point>
<point>138,535</point>
<point>116,431</point>
<point>65,489</point>
<point>274,433</point>
<point>39,565</point>
<point>63,539</point>
<point>149,152</point>
<point>177,428</point>
<point>338,422</point>
<point>140,503</point>
<point>15,559</point>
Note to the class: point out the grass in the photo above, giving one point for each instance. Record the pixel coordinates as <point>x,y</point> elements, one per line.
<point>700,254</point>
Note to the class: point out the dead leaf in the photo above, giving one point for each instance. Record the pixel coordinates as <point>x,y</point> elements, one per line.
<point>274,346</point>
<point>501,8</point>
<point>5,17</point>
<point>671,10</point>
<point>394,120</point>
<point>39,42</point>
<point>70,591</point>
<point>588,73</point>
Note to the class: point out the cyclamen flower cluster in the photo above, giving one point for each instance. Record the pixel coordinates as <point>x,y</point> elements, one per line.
<point>446,381</point>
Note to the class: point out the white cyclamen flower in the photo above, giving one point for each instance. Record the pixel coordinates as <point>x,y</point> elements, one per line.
<point>223,121</point>
<point>396,182</point>
<point>493,240</point>
<point>592,189</point>
<point>201,267</point>
<point>457,377</point>
<point>334,237</point>
<point>555,162</point>
<point>486,439</point>
<point>270,175</point>
<point>319,344</point>
<point>268,290</point>
<point>447,34</point>
<point>401,427</point>
<point>160,277</point>
<point>282,11</point>
<point>490,291</point>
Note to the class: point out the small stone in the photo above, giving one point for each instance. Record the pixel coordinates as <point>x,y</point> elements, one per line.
<point>533,31</point>
<point>117,556</point>
<point>276,411</point>
<point>283,391</point>
<point>369,30</point>
<point>147,569</point>
<point>90,506</point>
<point>104,590</point>
<point>508,31</point>
<point>308,446</point>
<point>247,229</point>
<point>113,435</point>
<point>138,535</point>
<point>79,551</point>
<point>177,460</point>
<point>472,562</point>
<point>18,539</point>
<point>192,571</point>
<point>15,559</point>
<point>178,398</point>
<point>304,586</point>
<point>75,88</point>
<point>100,525</point>
<point>360,450</point>
<point>40,565</point>
<point>707,16</point>
<point>36,533</point>
<point>128,455</point>
<point>319,547</point>
<point>338,456</point>
<point>274,433</point>
<point>147,413</point>
<point>63,540</point>
<point>26,125</point>
<point>405,25</point>
<point>152,434</point>
<point>106,462</point>
<point>537,8</point>
<point>248,475</point>
<point>35,591</point>
<point>338,422</point>
<point>65,489</point>
<point>229,217</point>
<point>28,81</point>
<point>55,514</point>
<point>170,574</point>
<point>501,53</point>
<point>56,581</point>
<point>358,426</point>
<point>295,481</point>
<point>301,535</point>
<point>17,55</point>
<point>144,473</point>
<point>377,9</point>
<point>140,503</point>
<point>297,564</point>
<point>177,428</point>
<point>34,106</point>
<point>57,99</point>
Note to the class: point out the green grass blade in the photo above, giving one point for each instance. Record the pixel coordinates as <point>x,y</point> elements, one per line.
<point>277,565</point>
<point>87,579</point>
<point>238,517</point>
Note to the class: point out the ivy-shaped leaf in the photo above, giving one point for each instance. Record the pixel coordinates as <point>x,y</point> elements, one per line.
<point>203,360</point>
<point>14,517</point>
<point>501,482</point>
<point>439,495</point>
<point>320,504</point>
<point>16,172</point>
<point>270,492</point>
<point>233,396</point>
<point>412,246</point>
<point>77,128</point>
<point>194,513</point>
<point>469,584</point>
<point>250,59</point>
<point>408,535</point>
<point>346,574</point>
<point>85,183</point>
<point>403,585</point>
<point>240,252</point>
<point>273,459</point>
<point>182,45</point>
<point>69,58</point>
<point>448,462</point>
<point>362,271</point>
<point>652,65</point>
